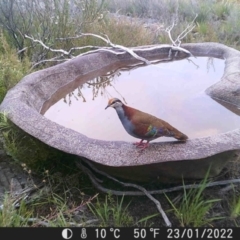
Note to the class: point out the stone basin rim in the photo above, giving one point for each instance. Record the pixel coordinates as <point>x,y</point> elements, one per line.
<point>24,102</point>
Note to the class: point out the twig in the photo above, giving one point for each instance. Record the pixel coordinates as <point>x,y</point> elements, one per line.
<point>46,47</point>
<point>161,191</point>
<point>226,189</point>
<point>173,50</point>
<point>183,34</point>
<point>187,30</point>
<point>143,191</point>
<point>189,60</point>
<point>97,49</point>
<point>130,51</point>
<point>112,49</point>
<point>25,193</point>
<point>55,59</point>
<point>67,53</point>
<point>37,221</point>
<point>22,50</point>
<point>168,223</point>
<point>40,222</point>
<point>55,214</point>
<point>106,40</point>
<point>168,30</point>
<point>85,223</point>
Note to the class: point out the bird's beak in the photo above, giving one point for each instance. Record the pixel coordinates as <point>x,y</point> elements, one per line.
<point>107,106</point>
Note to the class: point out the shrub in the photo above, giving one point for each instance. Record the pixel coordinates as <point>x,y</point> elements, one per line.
<point>11,68</point>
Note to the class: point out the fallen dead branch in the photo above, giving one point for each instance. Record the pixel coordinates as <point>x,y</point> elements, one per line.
<point>61,51</point>
<point>97,183</point>
<point>183,34</point>
<point>142,189</point>
<point>116,49</point>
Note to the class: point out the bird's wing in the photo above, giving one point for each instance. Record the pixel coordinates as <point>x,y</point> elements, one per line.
<point>148,126</point>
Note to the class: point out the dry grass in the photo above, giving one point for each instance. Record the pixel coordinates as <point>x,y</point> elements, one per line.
<point>124,32</point>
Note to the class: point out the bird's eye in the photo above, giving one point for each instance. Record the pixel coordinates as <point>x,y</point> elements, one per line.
<point>115,101</point>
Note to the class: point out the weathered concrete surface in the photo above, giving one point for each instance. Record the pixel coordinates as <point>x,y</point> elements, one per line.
<point>38,91</point>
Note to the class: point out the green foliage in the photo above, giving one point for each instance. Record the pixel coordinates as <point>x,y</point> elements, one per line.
<point>144,222</point>
<point>193,208</point>
<point>92,10</point>
<point>24,148</point>
<point>202,28</point>
<point>12,69</point>
<point>12,217</point>
<point>222,10</point>
<point>235,205</point>
<point>123,32</point>
<point>47,21</point>
<point>217,21</point>
<point>60,213</point>
<point>111,212</point>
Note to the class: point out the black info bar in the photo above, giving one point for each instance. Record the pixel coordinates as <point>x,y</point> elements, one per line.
<point>122,233</point>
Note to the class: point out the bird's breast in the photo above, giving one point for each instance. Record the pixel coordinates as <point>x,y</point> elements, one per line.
<point>127,124</point>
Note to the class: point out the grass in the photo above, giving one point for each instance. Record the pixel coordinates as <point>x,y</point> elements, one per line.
<point>12,217</point>
<point>67,191</point>
<point>123,32</point>
<point>22,216</point>
<point>111,212</point>
<point>217,21</point>
<point>11,68</point>
<point>115,213</point>
<point>193,209</point>
<point>222,11</point>
<point>60,213</point>
<point>235,206</point>
<point>24,148</point>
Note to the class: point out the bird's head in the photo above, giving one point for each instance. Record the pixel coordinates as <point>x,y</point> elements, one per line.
<point>114,102</point>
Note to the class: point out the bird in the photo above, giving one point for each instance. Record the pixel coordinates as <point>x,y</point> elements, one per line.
<point>143,125</point>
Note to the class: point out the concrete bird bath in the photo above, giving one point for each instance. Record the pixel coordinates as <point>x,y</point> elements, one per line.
<point>26,103</point>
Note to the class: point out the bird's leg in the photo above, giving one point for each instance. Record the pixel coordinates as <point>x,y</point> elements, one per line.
<point>141,144</point>
<point>144,145</point>
<point>138,144</point>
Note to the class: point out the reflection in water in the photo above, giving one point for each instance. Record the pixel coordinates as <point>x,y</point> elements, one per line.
<point>174,92</point>
<point>98,86</point>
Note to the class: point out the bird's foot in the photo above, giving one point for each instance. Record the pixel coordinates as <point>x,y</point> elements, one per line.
<point>138,144</point>
<point>143,146</point>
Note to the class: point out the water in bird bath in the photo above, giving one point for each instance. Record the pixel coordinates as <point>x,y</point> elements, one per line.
<point>173,91</point>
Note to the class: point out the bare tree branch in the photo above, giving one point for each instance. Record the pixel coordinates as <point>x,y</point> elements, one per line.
<point>168,30</point>
<point>116,46</point>
<point>183,34</point>
<point>46,47</point>
<point>106,49</point>
<point>187,30</point>
<point>161,191</point>
<point>106,40</point>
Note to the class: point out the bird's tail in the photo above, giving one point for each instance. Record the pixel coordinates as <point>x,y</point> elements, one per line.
<point>181,136</point>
